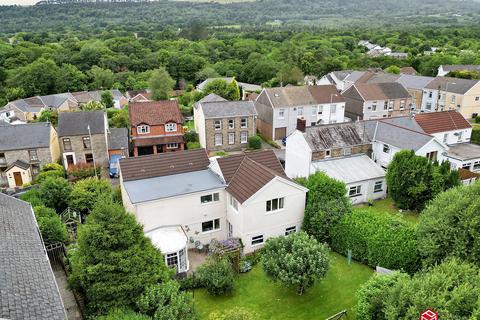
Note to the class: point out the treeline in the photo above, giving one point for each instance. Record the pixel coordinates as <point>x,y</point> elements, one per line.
<point>152,16</point>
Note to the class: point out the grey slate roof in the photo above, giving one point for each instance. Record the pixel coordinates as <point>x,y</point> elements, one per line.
<point>414,82</point>
<point>172,185</point>
<point>28,290</point>
<point>354,76</point>
<point>342,74</point>
<point>118,139</point>
<point>25,136</point>
<point>97,94</point>
<point>464,151</point>
<point>19,164</point>
<point>243,85</point>
<point>383,78</point>
<point>337,135</point>
<point>225,109</point>
<point>212,97</point>
<point>76,123</point>
<point>455,85</point>
<point>56,100</point>
<point>461,67</point>
<point>26,105</point>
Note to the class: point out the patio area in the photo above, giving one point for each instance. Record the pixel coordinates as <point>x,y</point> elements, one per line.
<point>196,259</point>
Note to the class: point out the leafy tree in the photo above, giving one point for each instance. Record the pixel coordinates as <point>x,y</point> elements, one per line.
<point>205,73</point>
<point>413,180</point>
<point>327,203</point>
<point>123,314</point>
<point>217,276</point>
<point>191,136</point>
<point>51,227</point>
<point>87,192</point>
<point>296,260</point>
<point>92,106</point>
<point>48,116</point>
<point>113,261</point>
<point>161,84</point>
<point>36,78</point>
<point>70,79</point>
<point>166,301</point>
<point>255,142</point>
<point>393,69</point>
<point>233,91</point>
<point>101,78</point>
<point>455,295</point>
<point>32,196</point>
<point>55,193</point>
<point>289,74</point>
<point>219,87</point>
<point>14,93</point>
<point>235,313</point>
<point>120,119</point>
<point>107,99</point>
<point>449,226</point>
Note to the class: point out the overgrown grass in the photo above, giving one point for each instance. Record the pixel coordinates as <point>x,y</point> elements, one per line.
<point>387,206</point>
<point>256,292</point>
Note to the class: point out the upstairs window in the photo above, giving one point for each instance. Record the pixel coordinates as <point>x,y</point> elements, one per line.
<point>33,155</point>
<point>86,142</point>
<point>275,204</point>
<point>170,127</point>
<point>243,123</point>
<point>234,203</point>
<point>385,105</point>
<point>320,109</point>
<point>300,111</point>
<point>314,111</point>
<point>214,197</point>
<point>386,148</point>
<point>402,104</point>
<point>430,94</point>
<point>281,114</point>
<point>217,125</point>
<point>67,144</point>
<point>143,129</point>
<point>333,109</point>
<point>231,124</point>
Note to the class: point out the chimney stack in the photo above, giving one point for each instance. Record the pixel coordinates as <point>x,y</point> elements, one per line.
<point>301,124</point>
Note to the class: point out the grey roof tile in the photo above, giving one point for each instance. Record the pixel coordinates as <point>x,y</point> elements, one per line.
<point>220,109</point>
<point>118,139</point>
<point>76,123</point>
<point>25,136</point>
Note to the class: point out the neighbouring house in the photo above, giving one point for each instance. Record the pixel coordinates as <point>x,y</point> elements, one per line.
<point>443,70</point>
<point>83,138</point>
<point>28,286</point>
<point>224,125</point>
<point>83,97</point>
<point>310,80</point>
<point>156,127</point>
<point>342,152</point>
<point>408,71</point>
<point>144,95</point>
<point>376,100</point>
<point>24,149</point>
<point>445,93</point>
<point>118,142</point>
<point>244,87</point>
<point>244,196</point>
<point>341,79</point>
<point>60,102</point>
<point>415,85</point>
<point>28,109</point>
<point>279,108</point>
<point>398,55</point>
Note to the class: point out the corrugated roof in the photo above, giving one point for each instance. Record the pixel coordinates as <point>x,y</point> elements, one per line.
<point>337,135</point>
<point>172,185</point>
<point>25,136</point>
<point>350,169</point>
<point>154,112</point>
<point>433,122</point>
<point>27,285</point>
<point>77,123</point>
<point>221,109</point>
<point>163,164</point>
<point>454,85</point>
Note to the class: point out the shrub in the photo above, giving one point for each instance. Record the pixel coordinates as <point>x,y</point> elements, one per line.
<point>117,195</point>
<point>52,167</point>
<point>191,136</point>
<point>377,240</point>
<point>42,176</point>
<point>41,211</point>
<point>32,196</point>
<point>193,145</point>
<point>123,314</point>
<point>190,282</point>
<point>52,228</point>
<point>297,260</point>
<point>166,302</point>
<point>87,192</point>
<point>477,119</point>
<point>255,142</point>
<point>475,136</point>
<point>186,111</point>
<point>217,276</point>
<point>54,193</point>
<point>83,170</point>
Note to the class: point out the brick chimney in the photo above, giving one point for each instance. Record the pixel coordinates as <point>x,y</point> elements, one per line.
<point>301,124</point>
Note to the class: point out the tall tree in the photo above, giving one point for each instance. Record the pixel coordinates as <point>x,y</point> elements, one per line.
<point>107,99</point>
<point>161,84</point>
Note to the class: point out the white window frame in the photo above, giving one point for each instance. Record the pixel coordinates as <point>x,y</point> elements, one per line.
<point>453,98</point>
<point>333,109</point>
<point>233,203</point>
<point>477,98</point>
<point>230,139</point>
<point>320,109</point>
<point>460,136</point>
<point>260,237</point>
<point>314,111</point>
<point>390,104</point>
<point>243,136</point>
<point>215,225</point>
<point>428,106</point>
<point>290,230</point>
<point>244,123</point>
<point>466,165</point>
<point>328,153</point>
<point>280,203</point>
<point>215,197</point>
<point>300,111</point>
<point>403,103</point>
<point>172,145</point>
<point>170,127</point>
<point>476,165</point>
<point>281,114</point>
<point>218,142</point>
<point>143,129</point>
<point>217,125</point>
<point>376,184</point>
<point>430,94</point>
<point>231,123</point>
<point>386,148</point>
<point>385,105</point>
<point>357,191</point>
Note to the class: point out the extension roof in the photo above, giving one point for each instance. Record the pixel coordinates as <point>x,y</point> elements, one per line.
<point>154,112</point>
<point>339,135</point>
<point>118,139</point>
<point>433,122</point>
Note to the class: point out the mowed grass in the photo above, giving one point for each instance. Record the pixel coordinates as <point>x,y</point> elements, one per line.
<point>387,206</point>
<point>255,292</point>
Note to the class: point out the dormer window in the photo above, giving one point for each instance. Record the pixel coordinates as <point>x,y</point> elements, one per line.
<point>170,127</point>
<point>143,129</point>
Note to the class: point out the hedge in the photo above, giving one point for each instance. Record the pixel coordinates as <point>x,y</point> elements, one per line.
<point>377,240</point>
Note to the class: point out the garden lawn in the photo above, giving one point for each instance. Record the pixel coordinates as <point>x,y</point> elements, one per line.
<point>387,206</point>
<point>256,292</point>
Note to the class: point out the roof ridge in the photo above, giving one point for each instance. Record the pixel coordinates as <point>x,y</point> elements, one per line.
<point>405,128</point>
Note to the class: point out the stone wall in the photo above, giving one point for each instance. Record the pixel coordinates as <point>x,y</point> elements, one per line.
<point>340,152</point>
<point>98,143</point>
<point>210,133</point>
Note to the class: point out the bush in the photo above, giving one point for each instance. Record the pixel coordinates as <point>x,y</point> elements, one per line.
<point>193,145</point>
<point>52,167</point>
<point>377,240</point>
<point>53,230</point>
<point>117,195</point>
<point>186,111</point>
<point>477,119</point>
<point>190,136</point>
<point>87,192</point>
<point>123,314</point>
<point>475,136</point>
<point>42,176</point>
<point>42,212</point>
<point>32,196</point>
<point>297,260</point>
<point>190,282</point>
<point>54,193</point>
<point>83,170</point>
<point>217,276</point>
<point>245,266</point>
<point>255,142</point>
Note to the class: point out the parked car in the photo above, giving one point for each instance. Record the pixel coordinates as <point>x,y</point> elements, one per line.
<point>113,165</point>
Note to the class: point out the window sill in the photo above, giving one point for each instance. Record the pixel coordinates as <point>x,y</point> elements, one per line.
<point>211,231</point>
<point>378,191</point>
<point>275,211</point>
<point>354,196</point>
<point>257,244</point>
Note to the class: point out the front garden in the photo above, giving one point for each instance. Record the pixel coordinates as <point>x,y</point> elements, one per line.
<point>255,292</point>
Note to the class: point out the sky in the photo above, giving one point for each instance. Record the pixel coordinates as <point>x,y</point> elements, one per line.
<point>20,2</point>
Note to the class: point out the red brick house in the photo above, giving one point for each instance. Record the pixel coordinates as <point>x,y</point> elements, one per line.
<point>156,127</point>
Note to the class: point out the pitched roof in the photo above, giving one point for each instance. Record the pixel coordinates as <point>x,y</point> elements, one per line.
<point>292,96</point>
<point>77,123</point>
<point>465,174</point>
<point>454,85</point>
<point>381,91</point>
<point>413,81</point>
<point>118,139</point>
<point>243,85</point>
<point>433,122</point>
<point>382,78</point>
<point>221,109</point>
<point>154,112</point>
<point>163,164</point>
<point>339,135</point>
<point>212,97</point>
<point>28,287</point>
<point>460,67</point>
<point>19,164</point>
<point>25,136</point>
<point>56,100</point>
<point>408,70</point>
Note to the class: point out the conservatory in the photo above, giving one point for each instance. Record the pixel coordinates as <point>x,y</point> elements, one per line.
<point>172,242</point>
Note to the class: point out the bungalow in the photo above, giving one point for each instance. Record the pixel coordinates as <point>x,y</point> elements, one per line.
<point>342,152</point>
<point>156,127</point>
<point>245,196</point>
<point>279,108</point>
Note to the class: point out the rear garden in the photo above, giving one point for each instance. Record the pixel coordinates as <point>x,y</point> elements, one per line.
<point>269,300</point>
<point>387,207</point>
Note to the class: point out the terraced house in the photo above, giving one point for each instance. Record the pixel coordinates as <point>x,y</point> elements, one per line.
<point>24,148</point>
